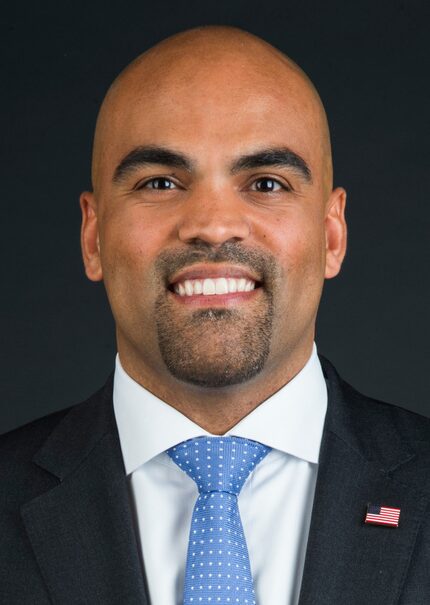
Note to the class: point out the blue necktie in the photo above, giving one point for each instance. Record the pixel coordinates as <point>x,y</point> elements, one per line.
<point>217,570</point>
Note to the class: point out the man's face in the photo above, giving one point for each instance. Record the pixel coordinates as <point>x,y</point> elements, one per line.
<point>211,212</point>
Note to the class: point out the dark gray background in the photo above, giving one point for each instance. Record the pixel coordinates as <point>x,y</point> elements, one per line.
<point>370,62</point>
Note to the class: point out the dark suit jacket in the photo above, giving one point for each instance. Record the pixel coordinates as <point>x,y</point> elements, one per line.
<point>66,527</point>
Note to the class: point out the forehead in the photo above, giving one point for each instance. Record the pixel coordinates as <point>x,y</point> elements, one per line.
<point>222,106</point>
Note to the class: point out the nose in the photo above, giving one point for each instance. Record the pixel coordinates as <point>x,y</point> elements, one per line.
<point>213,218</point>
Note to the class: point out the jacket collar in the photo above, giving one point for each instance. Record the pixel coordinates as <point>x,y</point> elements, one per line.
<point>81,531</point>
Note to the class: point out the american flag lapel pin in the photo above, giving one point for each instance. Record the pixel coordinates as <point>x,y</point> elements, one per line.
<point>382,515</point>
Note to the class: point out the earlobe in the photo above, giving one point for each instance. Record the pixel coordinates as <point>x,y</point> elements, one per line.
<point>335,232</point>
<point>90,243</point>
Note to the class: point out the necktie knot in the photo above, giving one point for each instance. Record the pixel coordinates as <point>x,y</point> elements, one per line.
<point>218,464</point>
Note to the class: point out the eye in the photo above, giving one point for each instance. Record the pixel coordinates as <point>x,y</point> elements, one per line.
<point>159,183</point>
<point>268,185</point>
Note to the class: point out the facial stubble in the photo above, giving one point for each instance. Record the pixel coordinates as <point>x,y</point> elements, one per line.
<point>218,347</point>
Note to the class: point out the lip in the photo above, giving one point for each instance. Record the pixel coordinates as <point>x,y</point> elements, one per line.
<point>208,271</point>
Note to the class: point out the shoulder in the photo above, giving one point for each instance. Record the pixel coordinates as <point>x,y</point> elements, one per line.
<point>371,410</point>
<point>26,440</point>
<point>21,476</point>
<point>390,436</point>
<point>18,447</point>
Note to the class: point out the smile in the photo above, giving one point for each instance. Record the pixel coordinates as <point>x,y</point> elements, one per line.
<point>213,286</point>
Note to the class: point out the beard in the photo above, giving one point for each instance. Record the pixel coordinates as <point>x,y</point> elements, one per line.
<point>216,347</point>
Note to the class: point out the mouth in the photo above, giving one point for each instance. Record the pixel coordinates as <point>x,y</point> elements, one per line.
<point>210,284</point>
<point>213,286</point>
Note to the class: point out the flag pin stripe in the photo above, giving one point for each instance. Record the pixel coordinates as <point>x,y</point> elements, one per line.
<point>382,515</point>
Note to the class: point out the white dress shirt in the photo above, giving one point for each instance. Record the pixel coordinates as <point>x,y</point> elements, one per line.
<point>275,502</point>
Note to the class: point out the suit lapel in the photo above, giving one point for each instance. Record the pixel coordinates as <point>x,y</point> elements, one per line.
<point>81,531</point>
<point>360,453</point>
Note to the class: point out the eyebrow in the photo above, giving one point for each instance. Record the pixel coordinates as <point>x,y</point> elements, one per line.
<point>273,156</point>
<point>147,155</point>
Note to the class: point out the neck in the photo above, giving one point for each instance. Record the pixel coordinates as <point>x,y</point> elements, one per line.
<point>216,410</point>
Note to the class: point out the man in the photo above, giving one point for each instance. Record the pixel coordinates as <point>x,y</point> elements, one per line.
<point>213,223</point>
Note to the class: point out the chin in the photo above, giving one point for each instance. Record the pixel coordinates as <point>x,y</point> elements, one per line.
<point>213,376</point>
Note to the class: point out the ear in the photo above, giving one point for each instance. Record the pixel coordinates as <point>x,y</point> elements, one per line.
<point>335,232</point>
<point>90,243</point>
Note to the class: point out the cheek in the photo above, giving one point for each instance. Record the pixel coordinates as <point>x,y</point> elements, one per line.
<point>307,255</point>
<point>130,244</point>
<point>128,250</point>
<point>297,294</point>
<point>298,244</point>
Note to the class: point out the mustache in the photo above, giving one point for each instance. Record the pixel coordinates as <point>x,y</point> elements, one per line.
<point>171,261</point>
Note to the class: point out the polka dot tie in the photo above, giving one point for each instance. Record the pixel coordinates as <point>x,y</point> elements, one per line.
<point>217,568</point>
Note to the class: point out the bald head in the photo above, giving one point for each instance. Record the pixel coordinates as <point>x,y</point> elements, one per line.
<point>208,65</point>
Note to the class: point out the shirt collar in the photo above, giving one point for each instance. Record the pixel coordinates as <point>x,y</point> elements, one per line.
<point>291,420</point>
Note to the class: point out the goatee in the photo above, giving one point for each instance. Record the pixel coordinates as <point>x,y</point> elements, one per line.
<point>217,347</point>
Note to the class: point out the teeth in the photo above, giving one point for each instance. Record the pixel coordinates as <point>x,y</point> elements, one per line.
<point>241,285</point>
<point>221,286</point>
<point>232,284</point>
<point>211,287</point>
<point>189,290</point>
<point>198,287</point>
